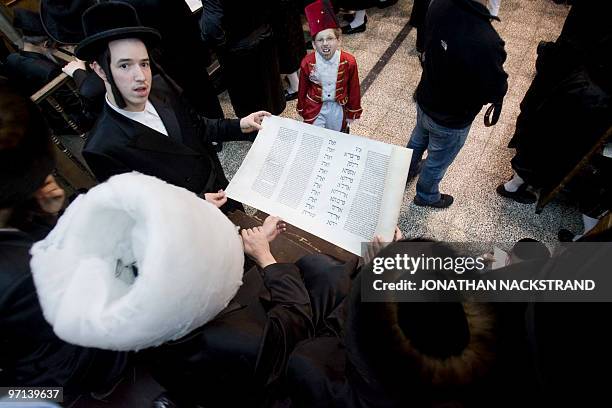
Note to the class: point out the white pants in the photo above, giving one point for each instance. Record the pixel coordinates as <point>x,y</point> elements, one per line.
<point>330,116</point>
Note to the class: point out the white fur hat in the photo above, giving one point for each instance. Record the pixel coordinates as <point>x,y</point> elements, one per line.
<point>187,254</point>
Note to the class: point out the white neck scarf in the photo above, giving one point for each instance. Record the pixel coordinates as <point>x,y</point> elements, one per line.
<point>188,256</point>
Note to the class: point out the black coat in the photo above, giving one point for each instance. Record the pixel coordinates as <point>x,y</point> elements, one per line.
<point>364,366</point>
<point>243,38</point>
<point>562,119</point>
<point>29,72</point>
<point>463,67</point>
<point>289,35</point>
<point>30,353</point>
<point>417,20</point>
<point>91,89</point>
<point>184,158</point>
<point>237,359</point>
<point>225,23</point>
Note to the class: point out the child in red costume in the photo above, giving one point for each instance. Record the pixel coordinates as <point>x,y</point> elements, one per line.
<point>328,94</point>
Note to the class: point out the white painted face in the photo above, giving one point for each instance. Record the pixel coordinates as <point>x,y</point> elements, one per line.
<point>131,71</point>
<point>326,43</point>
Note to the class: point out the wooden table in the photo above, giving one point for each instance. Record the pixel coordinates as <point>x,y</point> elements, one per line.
<point>294,243</point>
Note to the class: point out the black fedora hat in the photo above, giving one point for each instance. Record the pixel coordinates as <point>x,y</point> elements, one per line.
<point>61,19</point>
<point>109,21</point>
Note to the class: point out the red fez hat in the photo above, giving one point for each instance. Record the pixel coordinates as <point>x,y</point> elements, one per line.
<point>320,16</point>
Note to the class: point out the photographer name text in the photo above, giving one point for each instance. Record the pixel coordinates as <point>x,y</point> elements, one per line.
<point>485,285</point>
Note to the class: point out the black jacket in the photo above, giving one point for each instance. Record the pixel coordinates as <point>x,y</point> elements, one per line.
<point>463,67</point>
<point>561,118</point>
<point>30,353</point>
<point>240,355</point>
<point>225,24</point>
<point>91,89</point>
<point>241,34</point>
<point>185,158</point>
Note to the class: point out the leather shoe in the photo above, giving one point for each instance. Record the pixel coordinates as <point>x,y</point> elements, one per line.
<point>218,146</point>
<point>521,195</point>
<point>565,235</point>
<point>289,96</point>
<point>385,3</point>
<point>349,17</point>
<point>445,201</point>
<point>347,29</point>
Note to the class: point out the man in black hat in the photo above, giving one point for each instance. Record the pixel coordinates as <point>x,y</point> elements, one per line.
<point>408,348</point>
<point>30,353</point>
<point>146,126</point>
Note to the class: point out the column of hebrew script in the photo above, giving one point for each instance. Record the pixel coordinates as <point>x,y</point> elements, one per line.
<point>342,188</point>
<point>365,208</point>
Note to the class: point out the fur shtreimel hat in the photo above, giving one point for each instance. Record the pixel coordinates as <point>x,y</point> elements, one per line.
<point>432,346</point>
<point>109,21</point>
<point>26,153</point>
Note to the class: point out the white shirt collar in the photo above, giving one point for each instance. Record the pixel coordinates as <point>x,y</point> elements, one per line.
<point>148,117</point>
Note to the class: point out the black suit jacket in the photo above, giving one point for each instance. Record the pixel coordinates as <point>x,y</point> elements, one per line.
<point>185,158</point>
<point>225,354</point>
<point>241,354</point>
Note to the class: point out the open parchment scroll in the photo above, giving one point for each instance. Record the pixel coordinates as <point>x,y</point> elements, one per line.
<point>340,187</point>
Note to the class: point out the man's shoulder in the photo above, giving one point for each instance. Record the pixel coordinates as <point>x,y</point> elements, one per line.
<point>106,131</point>
<point>161,88</point>
<point>485,43</point>
<point>309,58</point>
<point>168,94</point>
<point>464,19</point>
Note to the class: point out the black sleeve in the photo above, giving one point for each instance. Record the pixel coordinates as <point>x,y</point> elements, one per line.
<point>289,320</point>
<point>222,130</point>
<point>92,90</point>
<point>211,25</point>
<point>89,83</point>
<point>494,78</point>
<point>79,76</point>
<point>103,166</point>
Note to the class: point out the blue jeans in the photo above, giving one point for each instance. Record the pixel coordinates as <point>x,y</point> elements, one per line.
<point>442,145</point>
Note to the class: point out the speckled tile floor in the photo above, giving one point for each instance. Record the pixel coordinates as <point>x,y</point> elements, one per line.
<point>478,213</point>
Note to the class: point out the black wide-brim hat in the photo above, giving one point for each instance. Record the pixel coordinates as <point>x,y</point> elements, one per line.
<point>28,22</point>
<point>61,19</point>
<point>110,21</point>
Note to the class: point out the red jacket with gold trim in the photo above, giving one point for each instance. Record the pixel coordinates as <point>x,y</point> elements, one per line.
<point>348,94</point>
